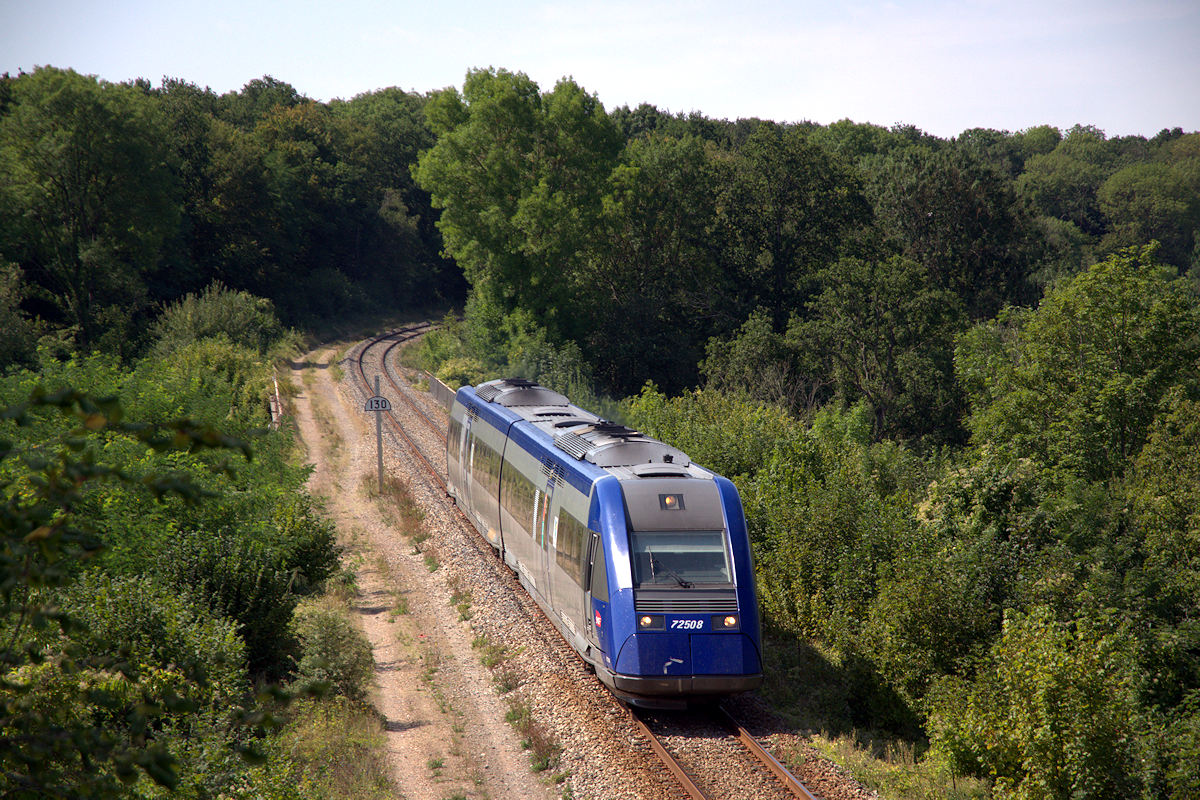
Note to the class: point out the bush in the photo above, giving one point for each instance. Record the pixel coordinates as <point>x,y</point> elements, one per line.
<point>1053,715</point>
<point>333,651</point>
<point>240,317</point>
<point>147,624</point>
<point>242,581</point>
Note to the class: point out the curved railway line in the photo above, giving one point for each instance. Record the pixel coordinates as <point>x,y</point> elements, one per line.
<point>707,752</point>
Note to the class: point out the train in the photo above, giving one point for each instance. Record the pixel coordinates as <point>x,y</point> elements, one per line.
<point>638,556</point>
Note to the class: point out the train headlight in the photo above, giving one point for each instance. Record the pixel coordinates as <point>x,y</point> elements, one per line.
<point>652,622</point>
<point>670,502</point>
<point>725,622</point>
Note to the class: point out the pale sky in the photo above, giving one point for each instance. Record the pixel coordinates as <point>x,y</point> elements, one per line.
<point>1125,67</point>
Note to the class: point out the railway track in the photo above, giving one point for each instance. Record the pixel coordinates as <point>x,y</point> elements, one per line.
<point>708,753</point>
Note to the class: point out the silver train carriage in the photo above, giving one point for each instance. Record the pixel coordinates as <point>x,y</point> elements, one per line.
<point>638,556</point>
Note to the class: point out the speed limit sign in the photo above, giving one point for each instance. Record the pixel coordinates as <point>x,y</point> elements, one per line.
<point>378,403</point>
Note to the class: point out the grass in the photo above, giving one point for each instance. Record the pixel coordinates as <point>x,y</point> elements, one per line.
<point>461,599</point>
<point>809,687</point>
<point>895,771</point>
<point>397,505</point>
<point>335,364</point>
<point>544,752</point>
<point>324,419</point>
<point>337,748</point>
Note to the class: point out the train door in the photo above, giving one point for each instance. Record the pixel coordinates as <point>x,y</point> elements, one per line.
<point>595,587</point>
<point>543,533</point>
<point>457,447</point>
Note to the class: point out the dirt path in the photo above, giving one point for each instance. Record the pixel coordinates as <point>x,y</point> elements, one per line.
<point>446,734</point>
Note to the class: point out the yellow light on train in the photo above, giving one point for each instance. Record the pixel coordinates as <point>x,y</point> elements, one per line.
<point>670,502</point>
<point>728,622</point>
<point>646,622</point>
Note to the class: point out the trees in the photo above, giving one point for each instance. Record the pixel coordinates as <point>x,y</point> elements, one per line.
<point>787,208</point>
<point>87,194</point>
<point>1077,382</point>
<point>1160,202</point>
<point>956,216</point>
<point>517,175</point>
<point>1056,716</point>
<point>648,288</point>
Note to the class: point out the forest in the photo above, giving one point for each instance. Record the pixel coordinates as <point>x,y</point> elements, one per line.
<point>957,382</point>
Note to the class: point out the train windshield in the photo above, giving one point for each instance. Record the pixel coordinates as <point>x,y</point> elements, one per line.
<point>679,558</point>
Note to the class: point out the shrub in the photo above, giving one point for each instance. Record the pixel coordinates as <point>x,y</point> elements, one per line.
<point>1052,716</point>
<point>241,581</point>
<point>333,651</point>
<point>240,317</point>
<point>149,624</point>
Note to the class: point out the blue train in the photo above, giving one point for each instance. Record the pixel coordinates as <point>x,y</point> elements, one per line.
<point>638,556</point>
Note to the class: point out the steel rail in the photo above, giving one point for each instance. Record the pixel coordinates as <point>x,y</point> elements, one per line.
<point>403,393</point>
<point>390,417</point>
<point>673,766</point>
<point>676,769</point>
<point>773,764</point>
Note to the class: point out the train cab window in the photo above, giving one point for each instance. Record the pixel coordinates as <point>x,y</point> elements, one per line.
<point>679,558</point>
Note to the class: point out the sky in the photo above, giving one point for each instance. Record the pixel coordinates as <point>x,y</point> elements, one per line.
<point>1127,68</point>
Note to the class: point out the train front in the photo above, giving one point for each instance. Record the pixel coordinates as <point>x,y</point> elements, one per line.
<point>684,617</point>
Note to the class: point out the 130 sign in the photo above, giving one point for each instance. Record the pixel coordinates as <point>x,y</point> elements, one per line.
<point>378,403</point>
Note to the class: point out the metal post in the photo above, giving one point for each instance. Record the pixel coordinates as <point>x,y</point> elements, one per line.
<point>379,437</point>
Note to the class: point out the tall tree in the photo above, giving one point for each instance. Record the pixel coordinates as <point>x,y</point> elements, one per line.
<point>885,334</point>
<point>87,188</point>
<point>518,178</point>
<point>649,289</point>
<point>957,217</point>
<point>787,208</point>
<point>1077,382</point>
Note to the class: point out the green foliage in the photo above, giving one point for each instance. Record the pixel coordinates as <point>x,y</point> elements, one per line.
<point>330,749</point>
<point>86,181</point>
<point>789,204</point>
<point>243,319</point>
<point>883,333</point>
<point>334,653</point>
<point>822,525</point>
<point>649,266</point>
<point>1077,382</point>
<point>60,698</point>
<point>18,343</point>
<point>1054,714</point>
<point>241,581</point>
<point>758,361</point>
<point>730,436</point>
<point>517,176</point>
<point>143,622</point>
<point>1154,202</point>
<point>957,217</point>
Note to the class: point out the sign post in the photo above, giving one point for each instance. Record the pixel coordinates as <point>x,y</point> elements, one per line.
<point>378,404</point>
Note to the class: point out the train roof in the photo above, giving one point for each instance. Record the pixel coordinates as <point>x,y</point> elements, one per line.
<point>584,436</point>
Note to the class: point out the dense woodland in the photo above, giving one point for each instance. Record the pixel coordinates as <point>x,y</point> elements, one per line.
<point>956,381</point>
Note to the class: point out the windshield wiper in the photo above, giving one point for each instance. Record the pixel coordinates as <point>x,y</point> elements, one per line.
<point>669,571</point>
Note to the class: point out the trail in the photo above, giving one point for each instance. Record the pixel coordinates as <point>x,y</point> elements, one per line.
<point>445,729</point>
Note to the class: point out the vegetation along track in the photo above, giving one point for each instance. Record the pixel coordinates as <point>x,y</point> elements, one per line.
<point>707,754</point>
